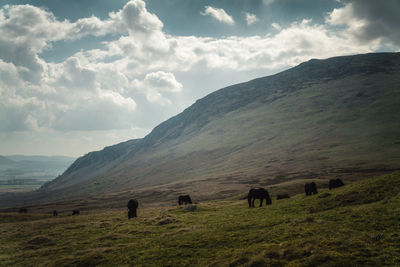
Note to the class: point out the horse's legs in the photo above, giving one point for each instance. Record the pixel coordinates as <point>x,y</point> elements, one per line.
<point>252,203</point>
<point>261,201</point>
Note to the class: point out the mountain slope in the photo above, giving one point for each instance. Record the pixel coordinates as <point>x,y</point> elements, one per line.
<point>321,119</point>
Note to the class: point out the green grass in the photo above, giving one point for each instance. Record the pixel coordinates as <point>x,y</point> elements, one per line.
<point>354,225</point>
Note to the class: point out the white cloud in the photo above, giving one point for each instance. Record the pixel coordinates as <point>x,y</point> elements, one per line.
<point>157,86</point>
<point>276,26</point>
<point>119,85</point>
<point>250,18</point>
<point>219,14</point>
<point>162,81</point>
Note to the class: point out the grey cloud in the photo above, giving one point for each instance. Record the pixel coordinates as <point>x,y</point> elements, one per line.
<point>383,18</point>
<point>378,19</point>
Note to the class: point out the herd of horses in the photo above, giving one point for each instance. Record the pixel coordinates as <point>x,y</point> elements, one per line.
<point>254,193</point>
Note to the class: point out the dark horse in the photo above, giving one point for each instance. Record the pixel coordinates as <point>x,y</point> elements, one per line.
<point>184,200</point>
<point>23,210</point>
<point>55,213</point>
<point>259,193</point>
<point>334,183</point>
<point>132,206</point>
<point>310,188</point>
<point>76,212</point>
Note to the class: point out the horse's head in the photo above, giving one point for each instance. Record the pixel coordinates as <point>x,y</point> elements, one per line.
<point>268,200</point>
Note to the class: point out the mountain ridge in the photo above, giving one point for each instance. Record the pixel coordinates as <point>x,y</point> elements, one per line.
<point>314,120</point>
<point>238,96</point>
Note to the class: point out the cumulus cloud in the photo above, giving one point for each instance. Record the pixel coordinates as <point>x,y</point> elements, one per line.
<point>162,81</point>
<point>219,14</point>
<point>250,18</point>
<point>136,72</point>
<point>157,85</point>
<point>369,20</point>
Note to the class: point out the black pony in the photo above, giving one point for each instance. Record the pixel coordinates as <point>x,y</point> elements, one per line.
<point>334,183</point>
<point>259,193</point>
<point>23,210</point>
<point>76,212</point>
<point>132,206</point>
<point>310,188</point>
<point>55,213</point>
<point>184,200</point>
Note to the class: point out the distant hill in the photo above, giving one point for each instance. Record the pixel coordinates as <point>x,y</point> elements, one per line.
<point>5,161</point>
<point>38,158</point>
<point>321,119</point>
<point>30,170</point>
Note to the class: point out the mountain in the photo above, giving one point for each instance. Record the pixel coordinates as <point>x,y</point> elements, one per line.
<point>6,162</point>
<point>38,158</point>
<point>321,119</point>
<point>32,170</point>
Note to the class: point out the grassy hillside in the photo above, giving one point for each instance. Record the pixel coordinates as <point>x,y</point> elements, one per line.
<point>354,225</point>
<point>323,118</point>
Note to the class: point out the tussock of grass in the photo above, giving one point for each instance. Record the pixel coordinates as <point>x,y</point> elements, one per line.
<point>357,224</point>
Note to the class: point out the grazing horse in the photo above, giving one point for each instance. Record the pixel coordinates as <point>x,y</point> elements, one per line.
<point>259,193</point>
<point>23,210</point>
<point>184,200</point>
<point>132,206</point>
<point>282,196</point>
<point>310,188</point>
<point>55,213</point>
<point>335,183</point>
<point>76,212</point>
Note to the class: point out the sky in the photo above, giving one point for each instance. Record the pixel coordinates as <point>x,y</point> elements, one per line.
<point>76,76</point>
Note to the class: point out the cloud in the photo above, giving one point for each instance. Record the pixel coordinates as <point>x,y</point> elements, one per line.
<point>137,74</point>
<point>157,86</point>
<point>25,32</point>
<point>219,14</point>
<point>268,2</point>
<point>369,20</point>
<point>250,18</point>
<point>276,26</point>
<point>102,110</point>
<point>162,81</point>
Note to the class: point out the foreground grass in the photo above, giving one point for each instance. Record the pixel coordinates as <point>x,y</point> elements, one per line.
<point>358,224</point>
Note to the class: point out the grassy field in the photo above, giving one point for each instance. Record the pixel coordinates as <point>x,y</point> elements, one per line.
<point>358,224</point>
